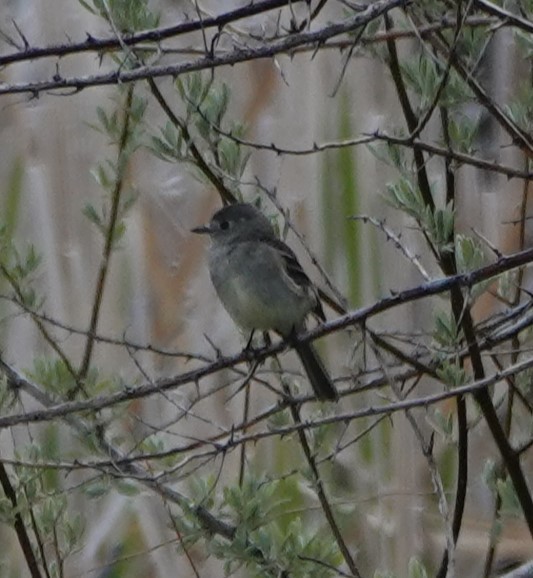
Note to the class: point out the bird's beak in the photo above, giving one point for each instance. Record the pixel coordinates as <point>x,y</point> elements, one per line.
<point>202,230</point>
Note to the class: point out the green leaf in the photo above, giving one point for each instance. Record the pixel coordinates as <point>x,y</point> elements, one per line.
<point>126,15</point>
<point>127,488</point>
<point>98,488</point>
<point>452,374</point>
<point>469,254</point>
<point>406,197</point>
<point>507,493</point>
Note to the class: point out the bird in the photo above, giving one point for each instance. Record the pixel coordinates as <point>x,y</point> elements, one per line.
<point>262,285</point>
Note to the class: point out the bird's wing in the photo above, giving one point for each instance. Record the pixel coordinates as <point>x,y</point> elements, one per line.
<point>295,272</point>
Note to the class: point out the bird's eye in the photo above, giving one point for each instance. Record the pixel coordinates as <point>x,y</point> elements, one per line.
<point>224,225</point>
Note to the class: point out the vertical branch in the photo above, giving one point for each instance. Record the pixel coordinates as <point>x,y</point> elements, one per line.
<point>322,496</point>
<point>515,352</point>
<point>246,413</point>
<point>462,422</point>
<point>110,235</point>
<point>40,545</point>
<point>460,309</point>
<point>427,451</point>
<point>320,490</point>
<point>447,263</point>
<point>409,115</point>
<point>20,528</point>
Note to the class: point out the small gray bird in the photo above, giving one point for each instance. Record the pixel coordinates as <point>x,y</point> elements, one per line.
<point>262,285</point>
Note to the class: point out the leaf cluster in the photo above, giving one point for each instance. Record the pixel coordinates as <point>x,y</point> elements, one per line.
<point>43,507</point>
<point>437,223</point>
<point>263,542</point>
<point>206,106</point>
<point>126,15</point>
<point>19,267</point>
<point>124,130</point>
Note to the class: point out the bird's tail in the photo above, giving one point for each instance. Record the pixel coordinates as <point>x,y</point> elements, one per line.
<point>318,376</point>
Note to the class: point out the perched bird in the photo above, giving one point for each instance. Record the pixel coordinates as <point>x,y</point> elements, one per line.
<point>262,285</point>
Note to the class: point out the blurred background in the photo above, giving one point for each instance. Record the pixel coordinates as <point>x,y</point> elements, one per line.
<point>158,291</point>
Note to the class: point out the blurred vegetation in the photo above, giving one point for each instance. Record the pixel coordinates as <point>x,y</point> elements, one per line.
<point>111,464</point>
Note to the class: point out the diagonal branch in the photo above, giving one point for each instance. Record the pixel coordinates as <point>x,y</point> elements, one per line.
<point>18,523</point>
<point>359,316</point>
<point>93,44</point>
<point>238,55</point>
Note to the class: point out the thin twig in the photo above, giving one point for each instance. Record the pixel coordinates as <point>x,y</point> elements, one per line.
<point>109,242</point>
<point>20,528</point>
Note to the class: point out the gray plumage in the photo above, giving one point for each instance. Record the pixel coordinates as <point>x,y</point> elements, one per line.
<point>261,283</point>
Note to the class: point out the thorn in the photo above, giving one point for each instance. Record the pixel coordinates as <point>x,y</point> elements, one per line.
<point>217,351</point>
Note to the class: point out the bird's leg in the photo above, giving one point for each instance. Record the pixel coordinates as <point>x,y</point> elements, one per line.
<point>266,339</point>
<point>290,338</point>
<point>249,342</point>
